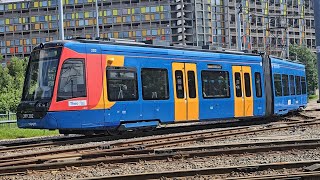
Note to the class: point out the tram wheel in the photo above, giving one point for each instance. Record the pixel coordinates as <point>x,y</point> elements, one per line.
<point>114,132</point>
<point>64,132</point>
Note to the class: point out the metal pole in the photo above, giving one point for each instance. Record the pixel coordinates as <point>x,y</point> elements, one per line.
<point>316,6</point>
<point>239,28</point>
<point>61,29</point>
<point>97,20</point>
<point>287,42</point>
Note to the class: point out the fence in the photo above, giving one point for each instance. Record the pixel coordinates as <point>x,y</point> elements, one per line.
<point>8,119</point>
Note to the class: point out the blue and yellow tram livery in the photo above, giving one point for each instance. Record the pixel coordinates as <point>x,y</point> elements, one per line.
<point>88,85</point>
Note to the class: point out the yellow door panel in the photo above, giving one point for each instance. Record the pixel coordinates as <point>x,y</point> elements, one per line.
<point>192,91</point>
<point>248,98</point>
<point>186,101</point>
<point>238,91</point>
<point>180,101</point>
<point>243,99</point>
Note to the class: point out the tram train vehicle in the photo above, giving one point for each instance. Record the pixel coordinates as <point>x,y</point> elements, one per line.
<point>91,85</point>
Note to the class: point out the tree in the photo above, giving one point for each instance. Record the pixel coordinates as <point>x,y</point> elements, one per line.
<point>308,58</point>
<point>11,84</point>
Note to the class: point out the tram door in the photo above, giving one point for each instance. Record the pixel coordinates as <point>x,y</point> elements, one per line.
<point>243,98</point>
<point>186,98</point>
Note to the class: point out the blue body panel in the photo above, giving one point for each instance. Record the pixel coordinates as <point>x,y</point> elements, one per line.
<point>285,104</point>
<point>140,125</point>
<point>159,110</point>
<point>87,119</point>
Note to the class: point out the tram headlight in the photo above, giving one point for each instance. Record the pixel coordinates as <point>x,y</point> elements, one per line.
<point>42,106</point>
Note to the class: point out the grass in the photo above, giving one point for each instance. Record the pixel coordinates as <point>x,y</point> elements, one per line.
<point>311,97</point>
<point>11,131</point>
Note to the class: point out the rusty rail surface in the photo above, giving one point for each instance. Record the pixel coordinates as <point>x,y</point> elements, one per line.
<point>299,175</point>
<point>216,171</point>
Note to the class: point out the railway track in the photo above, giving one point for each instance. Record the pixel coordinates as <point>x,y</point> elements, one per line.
<point>299,175</point>
<point>310,110</point>
<point>172,139</point>
<point>224,170</point>
<point>154,148</point>
<point>150,153</point>
<point>22,146</point>
<point>129,144</point>
<point>61,141</point>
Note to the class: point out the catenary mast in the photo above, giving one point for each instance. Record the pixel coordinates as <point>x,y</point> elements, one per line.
<point>317,28</point>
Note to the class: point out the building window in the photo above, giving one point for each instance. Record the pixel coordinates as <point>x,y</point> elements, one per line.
<point>298,85</point>
<point>257,78</point>
<point>72,83</point>
<point>285,84</point>
<point>155,84</point>
<point>277,84</point>
<point>215,84</point>
<point>122,84</point>
<point>179,84</point>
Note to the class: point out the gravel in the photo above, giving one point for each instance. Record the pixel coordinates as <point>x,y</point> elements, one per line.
<point>174,164</point>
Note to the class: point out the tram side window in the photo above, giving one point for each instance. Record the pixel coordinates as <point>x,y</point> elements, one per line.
<point>285,84</point>
<point>257,76</point>
<point>298,85</point>
<point>72,82</point>
<point>237,80</point>
<point>215,84</point>
<point>122,84</point>
<point>277,84</point>
<point>155,84</point>
<point>179,84</point>
<point>292,89</point>
<point>303,85</point>
<point>192,84</point>
<point>247,84</point>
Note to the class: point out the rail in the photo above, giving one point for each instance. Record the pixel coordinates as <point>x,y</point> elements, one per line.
<point>150,149</point>
<point>223,170</point>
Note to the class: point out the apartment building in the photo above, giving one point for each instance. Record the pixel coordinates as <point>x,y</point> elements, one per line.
<point>265,23</point>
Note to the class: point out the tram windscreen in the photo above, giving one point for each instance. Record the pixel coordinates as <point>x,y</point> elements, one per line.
<point>41,74</point>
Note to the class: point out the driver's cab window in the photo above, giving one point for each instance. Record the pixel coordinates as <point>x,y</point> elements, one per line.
<point>72,83</point>
<point>122,84</point>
